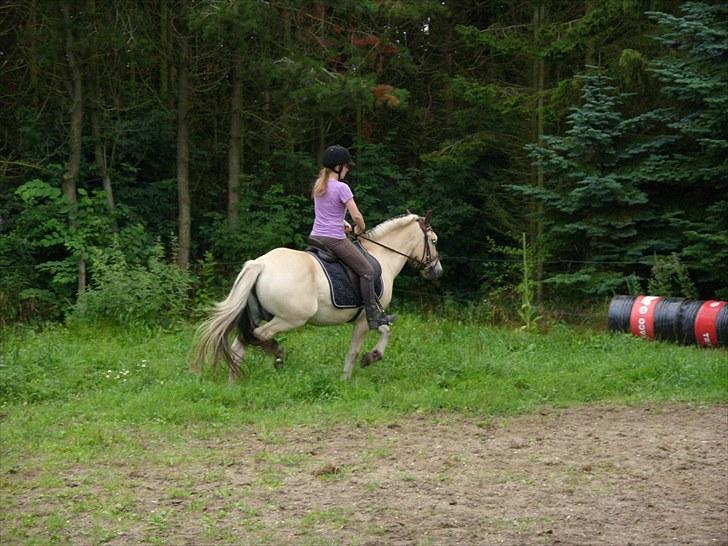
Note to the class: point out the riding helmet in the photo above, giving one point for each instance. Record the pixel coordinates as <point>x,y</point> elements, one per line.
<point>336,155</point>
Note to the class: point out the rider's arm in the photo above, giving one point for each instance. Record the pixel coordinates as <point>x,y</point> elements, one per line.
<point>356,215</point>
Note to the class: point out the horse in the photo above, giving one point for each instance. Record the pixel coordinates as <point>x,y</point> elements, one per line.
<point>289,288</point>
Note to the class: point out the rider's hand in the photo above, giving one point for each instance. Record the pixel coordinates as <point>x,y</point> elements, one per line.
<point>347,227</point>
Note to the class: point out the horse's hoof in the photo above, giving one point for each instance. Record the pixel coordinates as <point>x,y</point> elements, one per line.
<point>370,358</point>
<point>278,363</point>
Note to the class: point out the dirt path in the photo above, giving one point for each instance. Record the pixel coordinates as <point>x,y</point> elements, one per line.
<point>581,476</point>
<point>647,475</point>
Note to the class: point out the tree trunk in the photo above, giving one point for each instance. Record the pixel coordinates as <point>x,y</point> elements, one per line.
<point>235,148</point>
<point>449,101</point>
<point>589,53</point>
<point>163,55</point>
<point>322,136</point>
<point>539,72</point>
<point>32,55</point>
<point>183,160</point>
<point>73,166</point>
<point>359,126</point>
<point>101,159</point>
<point>100,152</point>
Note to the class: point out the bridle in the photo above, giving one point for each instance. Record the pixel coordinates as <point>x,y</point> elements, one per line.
<point>426,262</point>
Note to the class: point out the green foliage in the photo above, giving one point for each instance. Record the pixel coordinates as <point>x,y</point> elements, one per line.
<point>209,289</point>
<point>123,293</point>
<point>527,312</point>
<point>706,248</point>
<point>595,211</point>
<point>379,184</point>
<point>235,22</point>
<point>332,93</point>
<point>19,300</point>
<point>45,220</point>
<point>436,99</point>
<point>670,277</point>
<point>595,26</point>
<point>497,41</point>
<point>633,69</point>
<point>695,80</point>
<point>276,219</point>
<point>40,248</point>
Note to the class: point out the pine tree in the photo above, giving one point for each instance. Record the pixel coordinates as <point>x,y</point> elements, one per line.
<point>694,74</point>
<point>596,215</point>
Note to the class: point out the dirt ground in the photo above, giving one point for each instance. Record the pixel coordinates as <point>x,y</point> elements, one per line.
<point>595,475</point>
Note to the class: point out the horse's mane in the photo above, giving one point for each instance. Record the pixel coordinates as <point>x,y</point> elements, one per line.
<point>390,225</point>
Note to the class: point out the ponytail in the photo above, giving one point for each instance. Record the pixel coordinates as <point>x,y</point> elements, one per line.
<point>322,182</point>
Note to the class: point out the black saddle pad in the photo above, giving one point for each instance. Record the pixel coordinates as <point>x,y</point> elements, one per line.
<point>344,283</point>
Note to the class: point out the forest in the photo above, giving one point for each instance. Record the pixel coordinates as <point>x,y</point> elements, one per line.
<point>570,149</point>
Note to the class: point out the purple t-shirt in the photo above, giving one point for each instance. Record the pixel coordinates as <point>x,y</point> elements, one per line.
<point>330,210</point>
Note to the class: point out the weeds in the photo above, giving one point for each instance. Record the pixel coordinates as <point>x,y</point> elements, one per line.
<point>527,311</point>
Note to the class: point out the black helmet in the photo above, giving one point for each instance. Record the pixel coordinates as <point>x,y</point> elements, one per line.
<point>336,155</point>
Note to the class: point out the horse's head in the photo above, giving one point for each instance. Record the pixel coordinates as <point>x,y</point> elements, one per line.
<point>412,237</point>
<point>429,263</point>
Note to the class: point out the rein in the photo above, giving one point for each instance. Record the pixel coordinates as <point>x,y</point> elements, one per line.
<point>426,262</point>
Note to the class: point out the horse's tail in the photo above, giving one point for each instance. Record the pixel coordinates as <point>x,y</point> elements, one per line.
<point>212,335</point>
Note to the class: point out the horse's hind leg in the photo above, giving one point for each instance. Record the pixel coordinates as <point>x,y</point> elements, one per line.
<point>276,325</point>
<point>237,350</point>
<point>233,373</point>
<point>266,332</point>
<point>272,347</point>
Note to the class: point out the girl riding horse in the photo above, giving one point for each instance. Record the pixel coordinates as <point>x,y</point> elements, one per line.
<point>332,199</point>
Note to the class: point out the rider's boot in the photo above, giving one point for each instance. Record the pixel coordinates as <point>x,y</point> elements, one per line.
<point>375,315</point>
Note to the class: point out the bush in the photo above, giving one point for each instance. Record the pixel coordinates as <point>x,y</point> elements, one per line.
<point>124,293</point>
<point>670,277</point>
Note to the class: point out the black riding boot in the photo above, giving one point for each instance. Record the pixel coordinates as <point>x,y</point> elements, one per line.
<point>375,315</point>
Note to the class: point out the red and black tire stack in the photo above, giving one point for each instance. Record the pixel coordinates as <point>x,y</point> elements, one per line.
<point>672,319</point>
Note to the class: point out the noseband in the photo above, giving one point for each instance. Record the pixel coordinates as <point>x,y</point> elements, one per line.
<point>426,261</point>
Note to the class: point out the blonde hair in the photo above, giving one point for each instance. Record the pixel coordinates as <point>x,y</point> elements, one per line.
<point>322,182</point>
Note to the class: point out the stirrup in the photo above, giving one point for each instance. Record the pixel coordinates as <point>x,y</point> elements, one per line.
<point>381,321</point>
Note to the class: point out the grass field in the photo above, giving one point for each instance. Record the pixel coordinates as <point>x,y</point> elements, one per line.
<point>87,397</point>
<point>65,387</point>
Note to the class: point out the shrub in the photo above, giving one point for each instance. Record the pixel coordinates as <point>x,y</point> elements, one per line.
<point>125,293</point>
<point>670,277</point>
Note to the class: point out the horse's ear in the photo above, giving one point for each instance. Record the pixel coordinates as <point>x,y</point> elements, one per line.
<point>428,217</point>
<point>408,211</point>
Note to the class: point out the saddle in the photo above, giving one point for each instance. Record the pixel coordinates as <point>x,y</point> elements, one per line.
<point>343,282</point>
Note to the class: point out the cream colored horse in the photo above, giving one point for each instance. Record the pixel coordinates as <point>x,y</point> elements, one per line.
<point>292,287</point>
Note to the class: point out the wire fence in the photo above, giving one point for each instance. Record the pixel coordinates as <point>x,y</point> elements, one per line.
<point>444,259</point>
<point>429,295</point>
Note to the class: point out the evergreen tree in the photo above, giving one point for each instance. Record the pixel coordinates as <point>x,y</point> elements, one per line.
<point>598,221</point>
<point>693,166</point>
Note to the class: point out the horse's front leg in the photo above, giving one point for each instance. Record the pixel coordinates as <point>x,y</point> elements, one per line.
<point>377,353</point>
<point>357,338</point>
